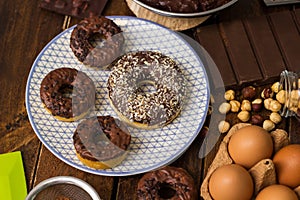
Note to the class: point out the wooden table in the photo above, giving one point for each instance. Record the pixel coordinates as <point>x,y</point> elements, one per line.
<point>233,38</point>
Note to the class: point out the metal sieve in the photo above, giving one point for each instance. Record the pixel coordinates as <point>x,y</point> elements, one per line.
<point>63,188</point>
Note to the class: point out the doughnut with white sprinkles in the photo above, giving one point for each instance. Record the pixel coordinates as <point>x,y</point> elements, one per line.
<point>146,89</point>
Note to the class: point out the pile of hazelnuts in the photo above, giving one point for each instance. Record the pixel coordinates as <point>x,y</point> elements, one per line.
<point>249,104</point>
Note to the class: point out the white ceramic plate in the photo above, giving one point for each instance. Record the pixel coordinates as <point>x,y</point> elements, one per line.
<point>149,149</point>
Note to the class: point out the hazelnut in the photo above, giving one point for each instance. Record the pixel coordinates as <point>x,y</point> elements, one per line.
<point>257,120</point>
<point>291,103</point>
<point>257,105</point>
<point>281,96</point>
<point>268,125</point>
<point>229,95</point>
<point>275,106</point>
<point>267,103</point>
<point>235,105</point>
<point>294,109</point>
<point>294,96</point>
<point>246,105</point>
<point>275,117</point>
<point>276,87</point>
<point>224,108</point>
<point>249,92</point>
<point>223,126</point>
<point>212,99</point>
<point>267,93</point>
<point>244,116</point>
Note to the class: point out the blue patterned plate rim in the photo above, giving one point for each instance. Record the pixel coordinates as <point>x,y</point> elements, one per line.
<point>110,172</point>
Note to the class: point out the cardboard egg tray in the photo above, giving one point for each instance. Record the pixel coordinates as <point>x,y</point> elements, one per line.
<point>263,173</point>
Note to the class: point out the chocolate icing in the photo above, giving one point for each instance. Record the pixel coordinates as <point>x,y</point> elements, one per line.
<point>87,35</point>
<point>67,92</point>
<point>175,180</point>
<point>182,6</point>
<point>185,6</point>
<point>100,138</point>
<point>211,4</point>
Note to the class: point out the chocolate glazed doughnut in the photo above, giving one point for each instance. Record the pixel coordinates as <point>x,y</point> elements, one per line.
<point>97,41</point>
<point>128,89</point>
<point>100,142</point>
<point>68,94</point>
<point>167,183</point>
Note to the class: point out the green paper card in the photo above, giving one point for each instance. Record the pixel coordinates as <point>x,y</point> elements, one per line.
<point>12,177</point>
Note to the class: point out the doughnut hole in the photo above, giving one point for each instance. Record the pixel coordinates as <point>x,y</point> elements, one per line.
<point>146,87</point>
<point>97,40</point>
<point>166,191</point>
<point>66,90</point>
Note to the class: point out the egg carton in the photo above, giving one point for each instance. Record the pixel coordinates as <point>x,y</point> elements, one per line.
<point>280,2</point>
<point>263,173</point>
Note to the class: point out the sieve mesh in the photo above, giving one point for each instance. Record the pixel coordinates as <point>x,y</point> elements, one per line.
<point>63,192</point>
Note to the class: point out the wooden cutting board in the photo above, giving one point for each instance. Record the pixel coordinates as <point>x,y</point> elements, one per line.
<point>174,23</point>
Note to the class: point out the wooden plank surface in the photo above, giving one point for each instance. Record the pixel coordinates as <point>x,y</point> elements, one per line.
<point>24,32</point>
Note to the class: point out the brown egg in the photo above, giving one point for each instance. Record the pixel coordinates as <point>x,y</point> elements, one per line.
<point>287,165</point>
<point>249,145</point>
<point>230,182</point>
<point>276,192</point>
